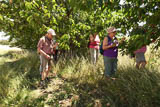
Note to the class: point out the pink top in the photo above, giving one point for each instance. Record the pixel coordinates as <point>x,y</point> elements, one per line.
<point>141,50</point>
<point>96,43</point>
<point>46,45</point>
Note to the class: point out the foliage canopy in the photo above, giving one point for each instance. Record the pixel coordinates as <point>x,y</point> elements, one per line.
<point>73,20</point>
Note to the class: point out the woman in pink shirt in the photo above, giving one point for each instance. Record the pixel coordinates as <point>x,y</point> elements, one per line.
<point>140,57</point>
<point>94,47</point>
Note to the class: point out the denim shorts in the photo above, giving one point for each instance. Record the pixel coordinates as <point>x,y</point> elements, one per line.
<point>140,57</point>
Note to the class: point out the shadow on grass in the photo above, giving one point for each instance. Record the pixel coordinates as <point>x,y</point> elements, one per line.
<point>23,70</point>
<point>132,88</point>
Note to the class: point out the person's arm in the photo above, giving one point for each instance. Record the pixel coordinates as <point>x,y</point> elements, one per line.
<point>105,44</point>
<point>41,51</point>
<point>97,40</point>
<point>55,45</point>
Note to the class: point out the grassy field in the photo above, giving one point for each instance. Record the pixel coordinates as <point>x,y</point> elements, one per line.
<point>77,83</point>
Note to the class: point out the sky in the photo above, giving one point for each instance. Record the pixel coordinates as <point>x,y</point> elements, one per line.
<point>3,37</point>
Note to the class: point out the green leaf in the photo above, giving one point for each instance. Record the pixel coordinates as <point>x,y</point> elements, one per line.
<point>1,17</point>
<point>28,5</point>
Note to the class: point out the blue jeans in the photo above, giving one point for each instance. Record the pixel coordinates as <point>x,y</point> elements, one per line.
<point>110,65</point>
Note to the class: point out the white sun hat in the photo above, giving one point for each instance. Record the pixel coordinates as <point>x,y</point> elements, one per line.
<point>51,31</point>
<point>111,29</point>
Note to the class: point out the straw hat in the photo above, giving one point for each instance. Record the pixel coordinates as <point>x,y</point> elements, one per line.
<point>111,29</point>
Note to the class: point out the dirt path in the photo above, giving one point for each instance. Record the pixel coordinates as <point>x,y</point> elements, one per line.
<point>8,48</point>
<point>55,87</point>
<point>55,93</point>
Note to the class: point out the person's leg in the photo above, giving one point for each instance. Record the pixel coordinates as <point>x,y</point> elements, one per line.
<point>114,66</point>
<point>47,72</point>
<point>143,64</point>
<point>138,60</point>
<point>143,60</point>
<point>41,66</point>
<point>138,65</point>
<point>107,64</point>
<point>94,55</point>
<point>48,67</point>
<point>45,67</point>
<point>97,54</point>
<point>50,64</point>
<point>91,55</point>
<point>44,74</point>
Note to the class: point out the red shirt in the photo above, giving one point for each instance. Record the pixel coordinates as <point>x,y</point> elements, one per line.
<point>96,43</point>
<point>141,50</point>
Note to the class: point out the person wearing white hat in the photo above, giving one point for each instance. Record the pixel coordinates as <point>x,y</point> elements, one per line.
<point>51,31</point>
<point>45,49</point>
<point>110,47</point>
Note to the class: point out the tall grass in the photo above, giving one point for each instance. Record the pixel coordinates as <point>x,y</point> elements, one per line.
<point>78,83</point>
<point>17,76</point>
<point>132,88</point>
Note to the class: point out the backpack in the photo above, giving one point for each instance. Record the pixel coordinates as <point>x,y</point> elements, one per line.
<point>101,46</point>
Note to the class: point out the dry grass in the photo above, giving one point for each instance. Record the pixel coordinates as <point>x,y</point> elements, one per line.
<point>78,83</point>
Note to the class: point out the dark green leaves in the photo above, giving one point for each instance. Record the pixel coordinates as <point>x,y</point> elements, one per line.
<point>74,20</point>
